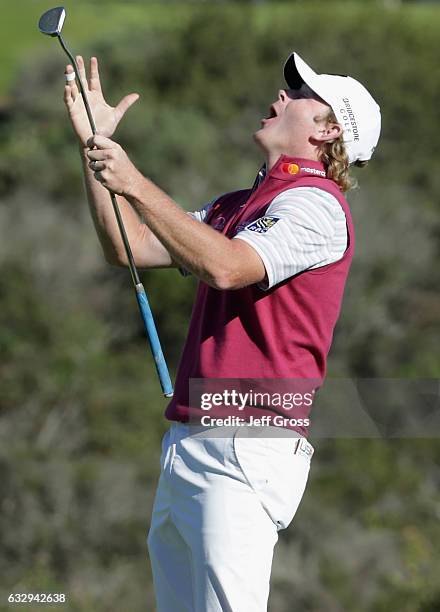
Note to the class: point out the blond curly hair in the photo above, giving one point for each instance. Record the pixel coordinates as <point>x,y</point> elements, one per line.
<point>335,159</point>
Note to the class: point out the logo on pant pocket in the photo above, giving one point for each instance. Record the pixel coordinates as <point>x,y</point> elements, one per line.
<point>304,448</point>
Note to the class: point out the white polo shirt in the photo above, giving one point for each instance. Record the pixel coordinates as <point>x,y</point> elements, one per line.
<point>310,231</point>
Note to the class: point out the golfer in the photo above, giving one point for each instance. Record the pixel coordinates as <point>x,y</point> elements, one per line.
<point>272,262</point>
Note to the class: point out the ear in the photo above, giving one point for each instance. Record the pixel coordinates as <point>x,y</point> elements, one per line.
<point>324,133</point>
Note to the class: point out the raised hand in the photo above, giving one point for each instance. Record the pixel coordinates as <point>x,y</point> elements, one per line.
<point>106,117</point>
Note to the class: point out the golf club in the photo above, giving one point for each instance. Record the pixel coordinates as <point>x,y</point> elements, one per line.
<point>51,23</point>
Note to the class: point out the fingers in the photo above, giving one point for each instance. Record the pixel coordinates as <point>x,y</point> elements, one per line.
<point>82,71</point>
<point>98,176</point>
<point>125,104</point>
<point>95,83</point>
<point>98,161</point>
<point>68,99</point>
<point>97,166</point>
<point>73,88</point>
<point>101,142</point>
<point>98,154</point>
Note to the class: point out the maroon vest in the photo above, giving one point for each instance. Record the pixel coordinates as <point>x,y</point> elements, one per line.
<point>282,333</point>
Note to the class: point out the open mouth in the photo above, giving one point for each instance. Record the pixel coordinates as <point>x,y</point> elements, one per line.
<point>272,115</point>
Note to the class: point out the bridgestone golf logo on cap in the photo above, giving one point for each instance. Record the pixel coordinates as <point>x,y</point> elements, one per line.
<point>349,118</point>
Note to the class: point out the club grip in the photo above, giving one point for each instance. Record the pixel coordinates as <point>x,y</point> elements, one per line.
<point>153,339</point>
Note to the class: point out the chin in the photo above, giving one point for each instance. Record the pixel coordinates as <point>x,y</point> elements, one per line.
<point>259,138</point>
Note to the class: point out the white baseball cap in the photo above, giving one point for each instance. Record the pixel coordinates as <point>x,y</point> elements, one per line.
<point>354,107</point>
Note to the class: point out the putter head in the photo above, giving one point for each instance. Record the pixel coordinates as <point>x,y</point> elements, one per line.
<point>51,22</point>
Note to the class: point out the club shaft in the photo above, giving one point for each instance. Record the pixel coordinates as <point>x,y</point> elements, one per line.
<point>78,78</point>
<point>144,306</point>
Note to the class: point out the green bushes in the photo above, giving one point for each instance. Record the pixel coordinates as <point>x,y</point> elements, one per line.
<point>81,411</point>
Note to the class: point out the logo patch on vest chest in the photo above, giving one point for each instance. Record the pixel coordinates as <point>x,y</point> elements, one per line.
<point>261,226</point>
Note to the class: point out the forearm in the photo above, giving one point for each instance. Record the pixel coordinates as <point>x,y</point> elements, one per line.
<point>214,258</point>
<point>197,247</point>
<point>104,218</point>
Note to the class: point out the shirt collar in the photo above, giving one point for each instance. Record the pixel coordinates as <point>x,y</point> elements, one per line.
<point>287,168</point>
<point>290,168</point>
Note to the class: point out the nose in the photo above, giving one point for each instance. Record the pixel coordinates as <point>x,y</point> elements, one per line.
<point>282,95</point>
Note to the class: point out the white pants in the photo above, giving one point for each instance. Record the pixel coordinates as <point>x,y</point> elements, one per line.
<point>219,505</point>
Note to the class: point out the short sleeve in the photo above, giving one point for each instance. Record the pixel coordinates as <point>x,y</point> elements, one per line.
<point>202,213</point>
<point>303,228</point>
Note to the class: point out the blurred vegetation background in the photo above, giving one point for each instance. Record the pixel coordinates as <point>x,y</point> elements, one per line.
<point>81,413</point>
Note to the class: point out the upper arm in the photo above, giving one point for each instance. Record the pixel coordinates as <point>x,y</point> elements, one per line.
<point>303,228</point>
<point>243,265</point>
<point>244,268</point>
<point>147,250</point>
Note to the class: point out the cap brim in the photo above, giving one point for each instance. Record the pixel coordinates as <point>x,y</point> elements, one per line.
<point>297,72</point>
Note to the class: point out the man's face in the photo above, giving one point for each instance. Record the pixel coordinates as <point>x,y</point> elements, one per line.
<point>292,121</point>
